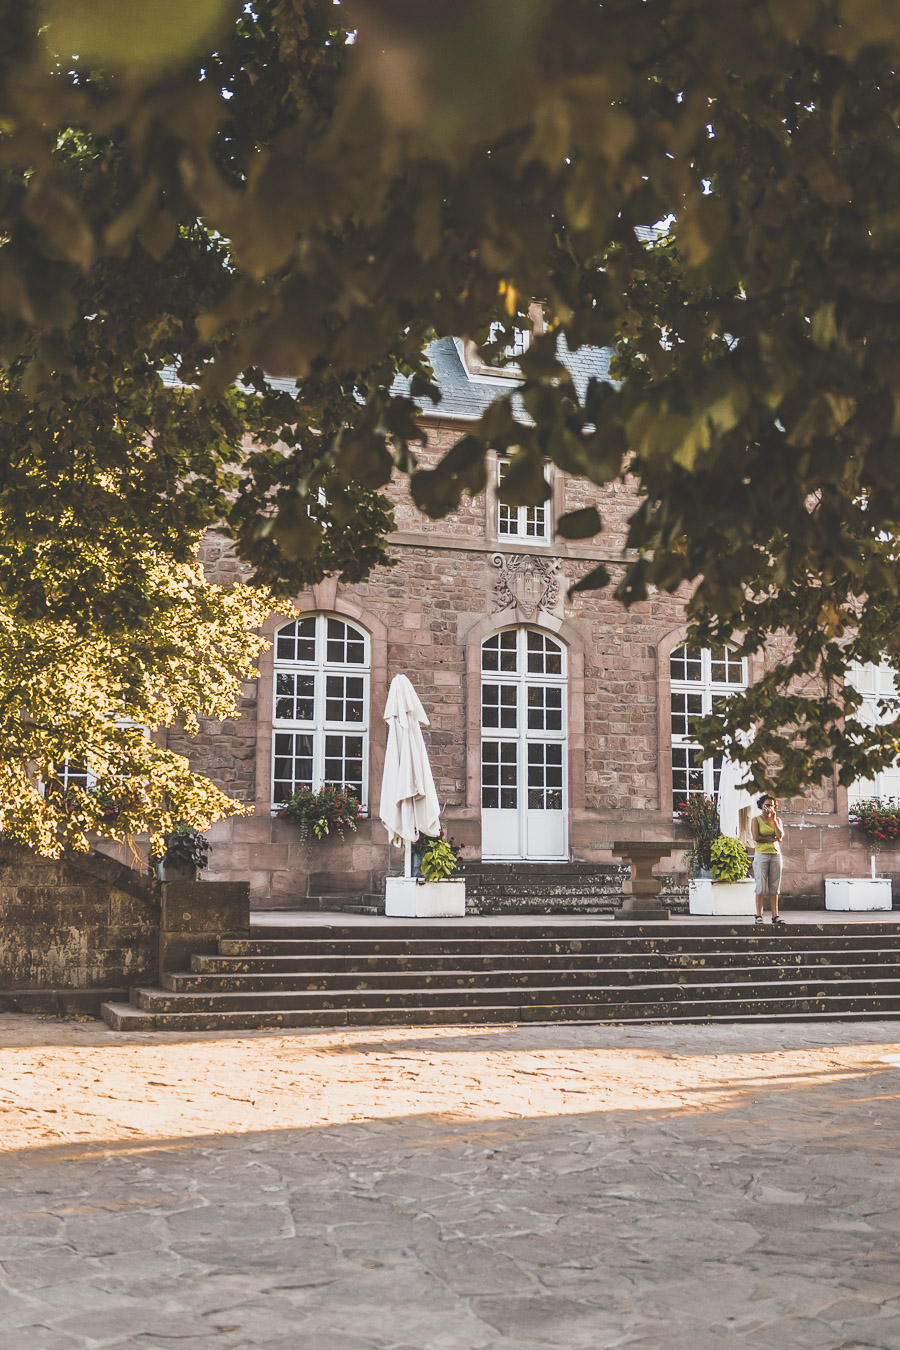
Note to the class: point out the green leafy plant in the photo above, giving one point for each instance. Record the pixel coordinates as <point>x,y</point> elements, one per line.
<point>728,859</point>
<point>878,818</point>
<point>701,816</point>
<point>318,813</point>
<point>439,860</point>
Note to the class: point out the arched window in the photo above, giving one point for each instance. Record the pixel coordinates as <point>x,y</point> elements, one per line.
<point>321,707</point>
<point>701,678</point>
<point>524,726</point>
<point>874,683</point>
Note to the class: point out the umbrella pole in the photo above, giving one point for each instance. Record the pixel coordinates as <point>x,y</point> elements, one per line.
<point>407,857</point>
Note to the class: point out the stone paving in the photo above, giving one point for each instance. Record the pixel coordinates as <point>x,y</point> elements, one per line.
<point>450,1189</point>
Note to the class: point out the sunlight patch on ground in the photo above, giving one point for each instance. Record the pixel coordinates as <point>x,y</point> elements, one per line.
<point>85,1085</point>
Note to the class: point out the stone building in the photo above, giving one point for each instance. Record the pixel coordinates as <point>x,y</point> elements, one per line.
<point>558,723</point>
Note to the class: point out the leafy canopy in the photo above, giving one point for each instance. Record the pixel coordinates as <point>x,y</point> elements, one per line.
<point>77,712</point>
<point>253,192</point>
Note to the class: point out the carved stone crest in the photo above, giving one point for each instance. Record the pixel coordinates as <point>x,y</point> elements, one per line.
<point>527,582</point>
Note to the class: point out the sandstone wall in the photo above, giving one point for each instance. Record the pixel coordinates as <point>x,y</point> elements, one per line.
<point>74,932</point>
<point>427,617</point>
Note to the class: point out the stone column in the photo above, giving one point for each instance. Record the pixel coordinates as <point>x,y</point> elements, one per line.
<point>641,889</point>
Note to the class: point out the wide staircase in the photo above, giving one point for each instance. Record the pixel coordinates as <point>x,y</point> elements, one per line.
<point>382,973</point>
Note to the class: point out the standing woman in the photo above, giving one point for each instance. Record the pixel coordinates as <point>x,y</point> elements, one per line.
<point>768,832</point>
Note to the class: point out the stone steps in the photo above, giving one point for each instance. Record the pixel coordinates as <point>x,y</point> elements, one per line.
<point>125,1017</point>
<point>610,977</point>
<point>387,940</point>
<point>417,965</point>
<point>542,888</point>
<point>383,974</point>
<point>160,1000</point>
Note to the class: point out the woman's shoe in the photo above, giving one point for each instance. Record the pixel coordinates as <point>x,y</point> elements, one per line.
<point>778,919</point>
<point>759,919</point>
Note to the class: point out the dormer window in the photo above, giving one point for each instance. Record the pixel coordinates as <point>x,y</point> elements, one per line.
<point>520,340</point>
<point>520,343</point>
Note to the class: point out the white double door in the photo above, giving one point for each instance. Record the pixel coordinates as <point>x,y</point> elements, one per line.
<point>523,748</point>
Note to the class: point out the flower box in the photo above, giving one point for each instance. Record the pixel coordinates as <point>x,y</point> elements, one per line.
<point>722,897</point>
<point>407,898</point>
<point>857,893</point>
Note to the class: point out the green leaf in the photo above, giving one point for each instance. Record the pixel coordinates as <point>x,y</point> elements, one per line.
<point>524,483</point>
<point>130,33</point>
<point>50,207</point>
<point>579,524</point>
<point>595,580</point>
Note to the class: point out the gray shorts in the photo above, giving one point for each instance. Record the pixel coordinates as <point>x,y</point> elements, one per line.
<point>767,873</point>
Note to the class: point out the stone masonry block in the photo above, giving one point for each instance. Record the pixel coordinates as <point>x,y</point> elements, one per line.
<point>347,883</point>
<point>367,856</point>
<point>195,914</point>
<point>233,857</point>
<point>268,856</point>
<point>201,906</point>
<point>283,885</point>
<point>252,830</point>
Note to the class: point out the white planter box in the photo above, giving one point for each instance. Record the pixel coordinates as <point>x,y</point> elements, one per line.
<point>857,892</point>
<point>406,898</point>
<point>722,897</point>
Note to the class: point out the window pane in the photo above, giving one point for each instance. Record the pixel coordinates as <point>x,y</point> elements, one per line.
<point>344,645</point>
<point>687,772</point>
<point>509,710</point>
<point>545,777</point>
<point>499,706</point>
<point>544,708</point>
<point>500,652</point>
<point>507,520</point>
<point>293,763</point>
<point>544,656</point>
<point>686,663</point>
<point>686,708</point>
<point>296,641</point>
<point>344,698</point>
<point>293,697</point>
<point>344,762</point>
<point>499,775</point>
<point>509,650</point>
<point>725,667</point>
<point>535,521</point>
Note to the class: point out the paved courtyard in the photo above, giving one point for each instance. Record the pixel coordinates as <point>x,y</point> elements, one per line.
<point>450,1189</point>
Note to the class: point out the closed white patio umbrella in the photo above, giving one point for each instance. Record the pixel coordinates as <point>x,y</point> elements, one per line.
<point>735,801</point>
<point>409,801</point>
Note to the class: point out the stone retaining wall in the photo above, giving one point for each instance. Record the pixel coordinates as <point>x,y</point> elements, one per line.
<point>74,931</point>
<point>84,929</point>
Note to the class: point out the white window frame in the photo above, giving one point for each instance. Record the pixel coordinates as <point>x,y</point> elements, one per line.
<point>708,688</point>
<point>527,524</point>
<point>873,683</point>
<point>518,347</point>
<point>319,727</point>
<point>86,777</point>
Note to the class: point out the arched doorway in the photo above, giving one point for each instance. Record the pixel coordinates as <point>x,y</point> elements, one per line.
<point>523,746</point>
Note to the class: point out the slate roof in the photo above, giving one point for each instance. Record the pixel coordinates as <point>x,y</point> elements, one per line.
<point>466,395</point>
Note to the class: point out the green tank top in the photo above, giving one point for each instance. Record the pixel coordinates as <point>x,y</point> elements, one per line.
<point>767,843</point>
